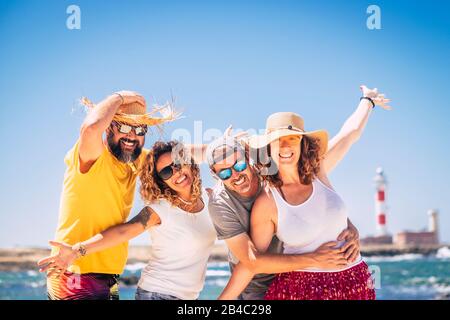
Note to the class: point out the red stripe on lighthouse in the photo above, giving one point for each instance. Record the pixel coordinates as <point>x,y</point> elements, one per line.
<point>381,219</point>
<point>381,195</point>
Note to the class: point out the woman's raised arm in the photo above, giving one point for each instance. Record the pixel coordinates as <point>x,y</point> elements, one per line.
<point>353,128</point>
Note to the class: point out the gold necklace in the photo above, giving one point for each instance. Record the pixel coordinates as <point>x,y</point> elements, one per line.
<point>190,206</point>
<point>189,203</point>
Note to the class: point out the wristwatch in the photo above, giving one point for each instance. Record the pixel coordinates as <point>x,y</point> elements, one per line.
<point>80,249</point>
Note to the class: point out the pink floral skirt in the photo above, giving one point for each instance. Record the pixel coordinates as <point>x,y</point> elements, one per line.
<point>354,283</point>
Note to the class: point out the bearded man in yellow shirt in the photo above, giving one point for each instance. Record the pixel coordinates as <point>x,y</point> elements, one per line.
<point>98,191</point>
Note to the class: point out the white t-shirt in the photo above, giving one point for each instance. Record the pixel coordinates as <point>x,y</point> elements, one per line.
<point>181,246</point>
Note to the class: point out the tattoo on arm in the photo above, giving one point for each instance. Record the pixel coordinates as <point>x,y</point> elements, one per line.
<point>143,217</point>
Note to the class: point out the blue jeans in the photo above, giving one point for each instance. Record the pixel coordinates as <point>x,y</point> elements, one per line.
<point>142,294</point>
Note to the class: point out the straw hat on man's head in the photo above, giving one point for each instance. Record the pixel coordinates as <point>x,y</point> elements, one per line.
<point>282,124</point>
<point>136,114</point>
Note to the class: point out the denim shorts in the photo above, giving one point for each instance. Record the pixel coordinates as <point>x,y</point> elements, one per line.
<point>142,294</point>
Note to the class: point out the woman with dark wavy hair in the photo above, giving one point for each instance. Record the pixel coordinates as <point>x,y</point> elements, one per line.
<point>176,215</point>
<point>300,206</point>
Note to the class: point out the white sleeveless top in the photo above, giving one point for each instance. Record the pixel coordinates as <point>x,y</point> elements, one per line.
<point>179,252</point>
<point>304,228</point>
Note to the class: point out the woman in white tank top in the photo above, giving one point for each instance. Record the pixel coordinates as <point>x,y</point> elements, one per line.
<point>304,211</point>
<point>301,207</point>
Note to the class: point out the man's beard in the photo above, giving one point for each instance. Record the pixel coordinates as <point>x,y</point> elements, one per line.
<point>123,156</point>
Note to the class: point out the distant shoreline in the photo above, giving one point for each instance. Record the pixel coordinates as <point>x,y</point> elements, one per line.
<point>24,259</point>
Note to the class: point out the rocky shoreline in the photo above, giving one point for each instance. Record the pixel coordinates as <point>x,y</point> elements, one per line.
<point>24,259</point>
<point>390,250</point>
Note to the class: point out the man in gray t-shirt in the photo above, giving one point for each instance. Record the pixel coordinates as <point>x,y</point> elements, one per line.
<point>230,213</point>
<point>230,206</point>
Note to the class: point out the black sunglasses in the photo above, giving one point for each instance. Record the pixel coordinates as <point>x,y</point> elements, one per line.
<point>125,128</point>
<point>167,172</point>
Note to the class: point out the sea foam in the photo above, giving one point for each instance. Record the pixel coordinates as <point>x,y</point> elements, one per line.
<point>443,253</point>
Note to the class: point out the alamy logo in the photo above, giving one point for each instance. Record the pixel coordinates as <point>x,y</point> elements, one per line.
<point>73,21</point>
<point>374,20</point>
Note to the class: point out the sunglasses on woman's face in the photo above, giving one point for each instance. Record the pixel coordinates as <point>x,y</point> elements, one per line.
<point>238,166</point>
<point>125,129</point>
<point>167,172</point>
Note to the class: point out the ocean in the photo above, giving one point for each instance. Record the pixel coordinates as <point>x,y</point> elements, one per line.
<point>408,276</point>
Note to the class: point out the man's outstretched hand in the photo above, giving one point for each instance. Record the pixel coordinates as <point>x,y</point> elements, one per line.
<point>351,248</point>
<point>59,262</point>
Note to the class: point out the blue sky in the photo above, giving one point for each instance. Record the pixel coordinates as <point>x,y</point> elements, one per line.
<point>231,62</point>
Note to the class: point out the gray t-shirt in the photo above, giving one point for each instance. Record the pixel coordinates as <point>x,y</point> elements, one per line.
<point>230,214</point>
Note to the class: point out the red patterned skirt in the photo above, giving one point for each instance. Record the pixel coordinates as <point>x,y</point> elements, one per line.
<point>354,283</point>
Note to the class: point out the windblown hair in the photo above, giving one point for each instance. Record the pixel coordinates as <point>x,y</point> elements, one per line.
<point>308,164</point>
<point>153,188</point>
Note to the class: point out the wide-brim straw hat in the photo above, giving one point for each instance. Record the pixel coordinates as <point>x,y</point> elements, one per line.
<point>282,124</point>
<point>136,114</point>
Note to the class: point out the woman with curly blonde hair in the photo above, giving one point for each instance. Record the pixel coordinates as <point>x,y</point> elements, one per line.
<point>154,187</point>
<point>176,215</point>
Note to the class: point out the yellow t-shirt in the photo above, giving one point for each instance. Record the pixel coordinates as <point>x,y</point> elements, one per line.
<point>94,201</point>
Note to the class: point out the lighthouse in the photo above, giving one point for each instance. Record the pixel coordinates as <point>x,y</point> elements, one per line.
<point>380,202</point>
<point>433,225</point>
<point>403,239</point>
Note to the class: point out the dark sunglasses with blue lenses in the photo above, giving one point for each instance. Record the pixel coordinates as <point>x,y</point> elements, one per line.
<point>167,172</point>
<point>239,166</point>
